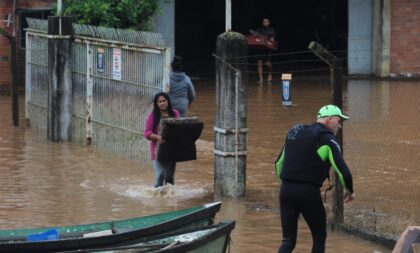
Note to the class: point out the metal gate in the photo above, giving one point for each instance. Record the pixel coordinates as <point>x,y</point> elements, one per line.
<point>115,73</point>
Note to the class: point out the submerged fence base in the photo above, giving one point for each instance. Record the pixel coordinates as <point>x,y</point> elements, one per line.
<point>386,241</point>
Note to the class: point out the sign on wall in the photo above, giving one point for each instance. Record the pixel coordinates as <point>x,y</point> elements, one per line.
<point>116,64</point>
<point>100,60</point>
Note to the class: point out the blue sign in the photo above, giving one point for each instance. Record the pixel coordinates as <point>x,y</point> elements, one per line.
<point>100,60</point>
<point>286,95</point>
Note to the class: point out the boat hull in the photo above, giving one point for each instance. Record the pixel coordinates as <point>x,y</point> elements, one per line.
<point>122,231</point>
<point>207,239</point>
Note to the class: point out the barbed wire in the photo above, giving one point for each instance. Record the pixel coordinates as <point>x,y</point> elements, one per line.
<point>263,55</point>
<point>292,71</point>
<point>295,53</point>
<point>278,62</point>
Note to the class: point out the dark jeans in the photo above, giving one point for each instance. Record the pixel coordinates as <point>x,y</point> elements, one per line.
<point>305,199</point>
<point>164,172</point>
<point>170,174</point>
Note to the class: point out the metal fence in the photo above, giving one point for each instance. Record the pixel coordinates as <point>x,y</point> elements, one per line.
<point>115,74</point>
<point>382,146</point>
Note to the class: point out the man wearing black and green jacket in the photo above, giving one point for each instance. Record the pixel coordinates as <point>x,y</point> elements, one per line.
<point>302,166</point>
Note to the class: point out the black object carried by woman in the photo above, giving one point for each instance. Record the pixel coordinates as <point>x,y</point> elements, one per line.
<point>180,135</point>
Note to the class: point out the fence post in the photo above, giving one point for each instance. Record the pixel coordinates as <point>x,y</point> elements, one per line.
<point>337,99</point>
<point>337,197</point>
<point>230,126</point>
<point>15,97</point>
<point>59,78</point>
<point>89,95</point>
<point>28,76</point>
<point>166,69</point>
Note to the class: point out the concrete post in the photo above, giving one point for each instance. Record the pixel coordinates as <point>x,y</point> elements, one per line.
<point>230,127</point>
<point>59,78</point>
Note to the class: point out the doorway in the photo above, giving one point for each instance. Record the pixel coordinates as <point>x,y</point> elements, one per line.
<point>297,23</point>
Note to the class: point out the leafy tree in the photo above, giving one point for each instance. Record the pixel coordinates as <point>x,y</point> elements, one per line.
<point>132,14</point>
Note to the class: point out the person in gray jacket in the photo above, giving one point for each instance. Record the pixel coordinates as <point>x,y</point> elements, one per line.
<point>181,89</point>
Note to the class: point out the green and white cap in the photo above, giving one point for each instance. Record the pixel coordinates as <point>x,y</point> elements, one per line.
<point>331,110</point>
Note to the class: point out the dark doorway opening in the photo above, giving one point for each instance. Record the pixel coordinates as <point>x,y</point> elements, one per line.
<point>297,23</point>
<point>23,23</point>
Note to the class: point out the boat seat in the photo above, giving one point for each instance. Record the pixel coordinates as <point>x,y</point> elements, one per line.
<point>120,230</point>
<point>98,233</point>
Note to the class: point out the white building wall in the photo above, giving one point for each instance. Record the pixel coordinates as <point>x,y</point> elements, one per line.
<point>164,23</point>
<point>360,37</point>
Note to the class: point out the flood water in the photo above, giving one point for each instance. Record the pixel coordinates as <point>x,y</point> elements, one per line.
<point>53,184</point>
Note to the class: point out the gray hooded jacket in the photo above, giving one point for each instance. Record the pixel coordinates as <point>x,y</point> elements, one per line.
<point>181,91</point>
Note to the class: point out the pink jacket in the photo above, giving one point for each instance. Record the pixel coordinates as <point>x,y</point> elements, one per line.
<point>148,131</point>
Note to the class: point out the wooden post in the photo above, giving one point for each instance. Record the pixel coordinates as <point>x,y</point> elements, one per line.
<point>15,96</point>
<point>337,99</point>
<point>337,196</point>
<point>59,78</point>
<point>230,128</point>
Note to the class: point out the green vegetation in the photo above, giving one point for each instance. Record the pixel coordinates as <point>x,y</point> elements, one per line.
<point>131,14</point>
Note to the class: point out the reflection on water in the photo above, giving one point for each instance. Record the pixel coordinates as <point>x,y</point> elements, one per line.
<point>51,184</point>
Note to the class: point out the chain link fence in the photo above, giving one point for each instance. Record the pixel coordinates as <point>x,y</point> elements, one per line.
<point>382,147</point>
<point>381,142</point>
<point>115,73</point>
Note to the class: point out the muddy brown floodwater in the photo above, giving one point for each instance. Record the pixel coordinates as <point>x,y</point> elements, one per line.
<point>52,184</point>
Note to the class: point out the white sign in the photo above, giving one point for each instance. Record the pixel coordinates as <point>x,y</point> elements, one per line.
<point>116,64</point>
<point>100,60</point>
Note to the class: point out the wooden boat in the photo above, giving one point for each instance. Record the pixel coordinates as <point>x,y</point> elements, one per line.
<point>210,239</point>
<point>409,241</point>
<point>105,233</point>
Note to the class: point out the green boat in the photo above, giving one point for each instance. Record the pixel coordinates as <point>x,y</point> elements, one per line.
<point>53,239</point>
<point>207,239</point>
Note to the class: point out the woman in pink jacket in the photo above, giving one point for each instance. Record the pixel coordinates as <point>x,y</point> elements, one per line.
<point>162,108</point>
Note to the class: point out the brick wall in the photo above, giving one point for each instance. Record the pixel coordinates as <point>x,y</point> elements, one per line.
<point>4,49</point>
<point>40,4</point>
<point>6,8</point>
<point>405,37</point>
